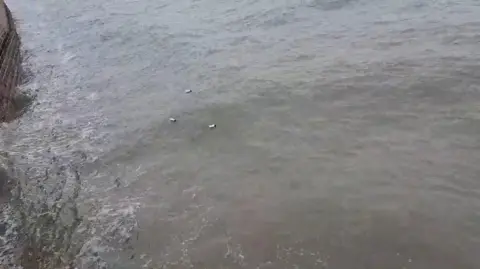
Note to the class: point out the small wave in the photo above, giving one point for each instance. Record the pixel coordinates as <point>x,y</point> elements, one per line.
<point>330,4</point>
<point>45,224</point>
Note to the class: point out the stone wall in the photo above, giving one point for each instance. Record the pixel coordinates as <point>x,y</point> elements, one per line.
<point>10,66</point>
<point>3,17</point>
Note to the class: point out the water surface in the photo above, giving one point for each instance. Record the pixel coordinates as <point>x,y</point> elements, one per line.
<point>347,130</point>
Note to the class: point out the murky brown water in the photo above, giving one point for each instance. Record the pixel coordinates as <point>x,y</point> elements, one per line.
<point>347,132</point>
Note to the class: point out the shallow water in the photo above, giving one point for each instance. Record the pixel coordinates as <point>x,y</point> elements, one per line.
<point>347,131</point>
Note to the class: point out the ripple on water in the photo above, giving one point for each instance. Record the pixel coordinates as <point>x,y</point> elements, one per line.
<point>346,130</point>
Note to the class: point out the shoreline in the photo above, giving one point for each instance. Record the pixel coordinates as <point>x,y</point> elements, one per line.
<point>10,78</point>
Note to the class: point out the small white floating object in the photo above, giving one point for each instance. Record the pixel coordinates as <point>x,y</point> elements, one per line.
<point>212,126</point>
<point>173,120</point>
<point>188,91</point>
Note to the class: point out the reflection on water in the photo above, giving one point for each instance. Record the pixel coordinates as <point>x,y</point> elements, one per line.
<point>347,131</point>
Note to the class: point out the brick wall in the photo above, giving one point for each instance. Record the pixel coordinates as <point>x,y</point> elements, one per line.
<point>9,63</point>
